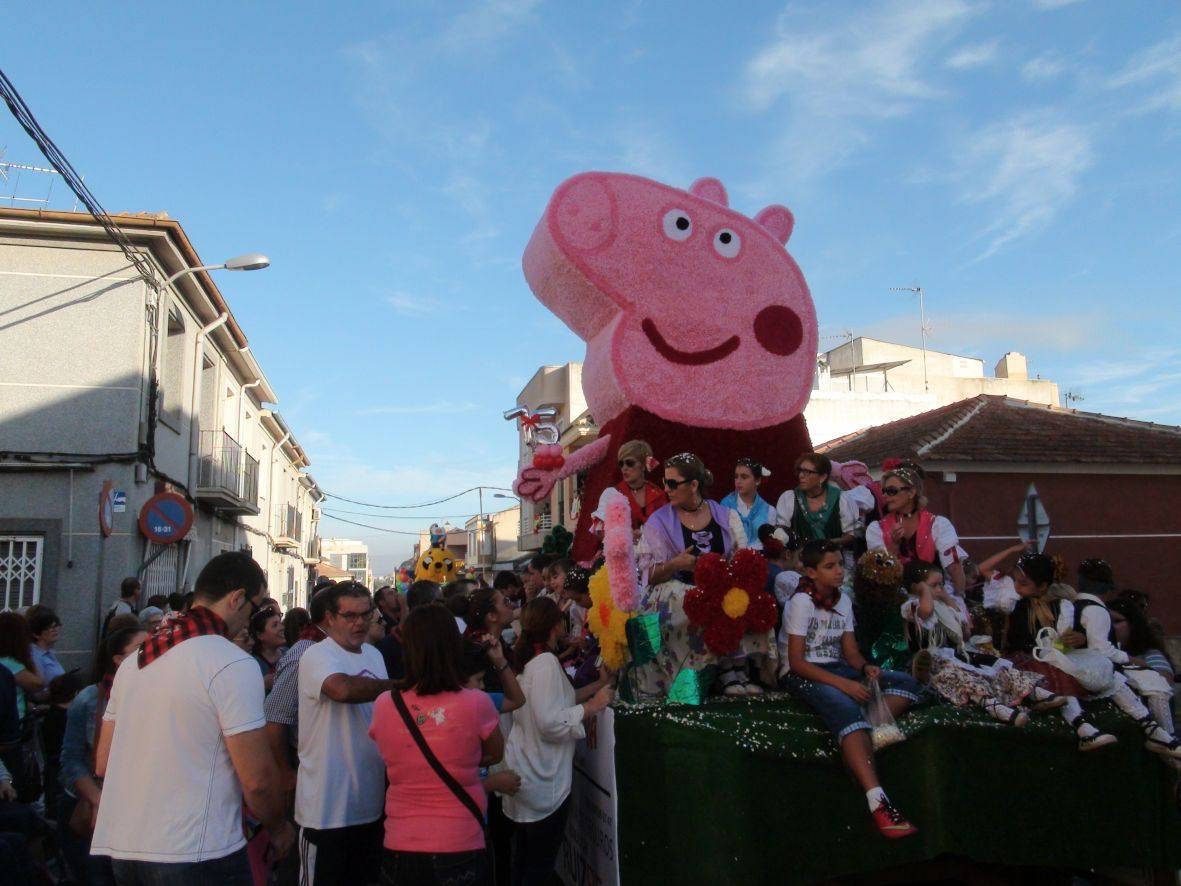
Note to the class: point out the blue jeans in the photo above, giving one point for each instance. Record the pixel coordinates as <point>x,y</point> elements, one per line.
<point>230,870</point>
<point>840,713</point>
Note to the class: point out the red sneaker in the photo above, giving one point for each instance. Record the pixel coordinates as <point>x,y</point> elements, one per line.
<point>890,822</point>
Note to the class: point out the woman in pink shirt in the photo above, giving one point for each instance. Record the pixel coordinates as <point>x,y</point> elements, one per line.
<point>431,835</point>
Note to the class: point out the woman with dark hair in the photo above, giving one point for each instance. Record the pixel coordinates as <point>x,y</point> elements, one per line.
<point>432,835</point>
<point>911,532</point>
<point>690,524</point>
<point>541,744</point>
<point>745,500</point>
<point>816,508</point>
<point>16,641</point>
<point>294,623</point>
<point>77,761</point>
<point>267,642</point>
<point>1136,636</point>
<point>46,628</point>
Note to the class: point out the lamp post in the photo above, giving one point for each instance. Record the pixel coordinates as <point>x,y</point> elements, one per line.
<point>922,326</point>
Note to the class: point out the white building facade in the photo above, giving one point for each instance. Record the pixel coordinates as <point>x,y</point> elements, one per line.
<point>112,391</point>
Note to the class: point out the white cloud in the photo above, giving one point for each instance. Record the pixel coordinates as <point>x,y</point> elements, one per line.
<point>1158,70</point>
<point>486,24</point>
<point>442,407</point>
<point>1024,170</point>
<point>973,56</point>
<point>1049,5</point>
<point>834,81</point>
<point>412,305</point>
<point>1044,67</point>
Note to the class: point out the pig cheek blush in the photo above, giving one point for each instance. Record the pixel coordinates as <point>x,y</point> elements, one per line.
<point>779,330</point>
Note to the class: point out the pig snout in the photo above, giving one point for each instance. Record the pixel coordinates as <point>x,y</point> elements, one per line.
<point>779,330</point>
<point>585,213</point>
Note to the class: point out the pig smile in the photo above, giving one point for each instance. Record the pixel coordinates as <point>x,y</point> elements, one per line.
<point>688,358</point>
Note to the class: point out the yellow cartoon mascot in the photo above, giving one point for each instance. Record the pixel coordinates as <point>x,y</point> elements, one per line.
<point>437,564</point>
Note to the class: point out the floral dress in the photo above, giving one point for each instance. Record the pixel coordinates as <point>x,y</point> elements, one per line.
<point>958,681</point>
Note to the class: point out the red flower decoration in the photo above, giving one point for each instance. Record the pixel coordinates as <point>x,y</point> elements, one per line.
<point>729,599</point>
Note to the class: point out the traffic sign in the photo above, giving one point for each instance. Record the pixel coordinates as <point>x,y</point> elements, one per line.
<point>166,518</point>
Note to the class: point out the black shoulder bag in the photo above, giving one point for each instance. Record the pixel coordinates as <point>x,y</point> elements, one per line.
<point>446,777</point>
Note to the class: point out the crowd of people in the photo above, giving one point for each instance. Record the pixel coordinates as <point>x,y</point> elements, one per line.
<point>426,736</point>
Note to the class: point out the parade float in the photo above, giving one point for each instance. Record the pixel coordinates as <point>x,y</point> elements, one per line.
<point>701,335</point>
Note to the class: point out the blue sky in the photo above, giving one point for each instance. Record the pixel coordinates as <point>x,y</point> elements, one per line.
<point>1017,159</point>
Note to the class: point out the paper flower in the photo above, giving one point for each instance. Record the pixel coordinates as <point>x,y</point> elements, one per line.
<point>729,600</point>
<point>608,624</point>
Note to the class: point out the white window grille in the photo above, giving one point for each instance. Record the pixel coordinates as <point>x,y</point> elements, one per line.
<point>165,568</point>
<point>20,570</point>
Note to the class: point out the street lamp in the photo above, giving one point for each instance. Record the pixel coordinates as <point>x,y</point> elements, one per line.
<point>251,261</point>
<point>502,495</point>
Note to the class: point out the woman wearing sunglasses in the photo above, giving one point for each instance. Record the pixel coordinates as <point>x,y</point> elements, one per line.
<point>645,498</point>
<point>676,535</point>
<point>910,531</point>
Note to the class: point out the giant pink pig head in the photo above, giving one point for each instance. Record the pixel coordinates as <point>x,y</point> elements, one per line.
<point>689,309</point>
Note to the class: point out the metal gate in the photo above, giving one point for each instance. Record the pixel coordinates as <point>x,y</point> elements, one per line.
<point>20,570</point>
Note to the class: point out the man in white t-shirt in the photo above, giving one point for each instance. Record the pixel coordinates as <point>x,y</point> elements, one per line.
<point>340,788</point>
<point>182,745</point>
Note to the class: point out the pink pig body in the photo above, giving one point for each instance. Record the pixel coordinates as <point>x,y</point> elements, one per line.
<point>694,315</point>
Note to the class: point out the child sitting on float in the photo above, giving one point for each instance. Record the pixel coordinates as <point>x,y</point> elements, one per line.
<point>1035,598</point>
<point>936,625</point>
<point>781,550</point>
<point>821,666</point>
<point>752,509</point>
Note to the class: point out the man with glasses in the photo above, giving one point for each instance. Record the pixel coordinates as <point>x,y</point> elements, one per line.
<point>340,788</point>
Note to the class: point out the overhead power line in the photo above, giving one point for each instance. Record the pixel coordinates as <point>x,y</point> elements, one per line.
<point>24,116</point>
<point>371,526</point>
<point>426,504</point>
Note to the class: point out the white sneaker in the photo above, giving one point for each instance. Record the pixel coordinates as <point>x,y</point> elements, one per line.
<point>1095,741</point>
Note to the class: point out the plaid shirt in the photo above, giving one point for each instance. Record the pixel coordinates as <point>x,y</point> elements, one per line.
<point>282,704</point>
<point>197,622</point>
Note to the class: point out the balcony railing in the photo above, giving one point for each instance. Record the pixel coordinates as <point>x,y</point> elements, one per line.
<point>533,531</point>
<point>227,475</point>
<point>288,526</point>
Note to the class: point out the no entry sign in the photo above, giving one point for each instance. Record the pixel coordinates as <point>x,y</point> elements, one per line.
<point>166,518</point>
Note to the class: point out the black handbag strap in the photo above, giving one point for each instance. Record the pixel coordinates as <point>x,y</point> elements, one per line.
<point>456,788</point>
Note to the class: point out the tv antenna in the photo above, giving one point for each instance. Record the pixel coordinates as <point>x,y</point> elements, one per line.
<point>16,173</point>
<point>924,326</point>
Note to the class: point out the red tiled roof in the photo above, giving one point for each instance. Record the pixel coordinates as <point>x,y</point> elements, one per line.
<point>993,428</point>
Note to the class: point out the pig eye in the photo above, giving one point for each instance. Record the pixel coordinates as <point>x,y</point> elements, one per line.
<point>727,243</point>
<point>677,224</point>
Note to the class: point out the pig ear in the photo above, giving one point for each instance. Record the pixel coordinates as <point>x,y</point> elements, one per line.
<point>709,189</point>
<point>778,220</point>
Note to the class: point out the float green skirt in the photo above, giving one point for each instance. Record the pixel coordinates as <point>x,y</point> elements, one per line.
<point>751,791</point>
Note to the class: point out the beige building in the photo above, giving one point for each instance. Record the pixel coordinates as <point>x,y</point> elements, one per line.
<point>492,541</point>
<point>867,382</point>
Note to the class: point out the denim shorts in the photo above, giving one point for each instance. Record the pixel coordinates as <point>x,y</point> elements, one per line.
<point>840,713</point>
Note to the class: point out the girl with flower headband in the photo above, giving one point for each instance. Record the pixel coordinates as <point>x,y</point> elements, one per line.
<point>910,531</point>
<point>745,500</point>
<point>1034,597</point>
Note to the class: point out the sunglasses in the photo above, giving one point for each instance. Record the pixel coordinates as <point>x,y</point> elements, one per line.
<point>806,471</point>
<point>628,462</point>
<point>894,490</point>
<point>673,484</point>
<point>354,617</point>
